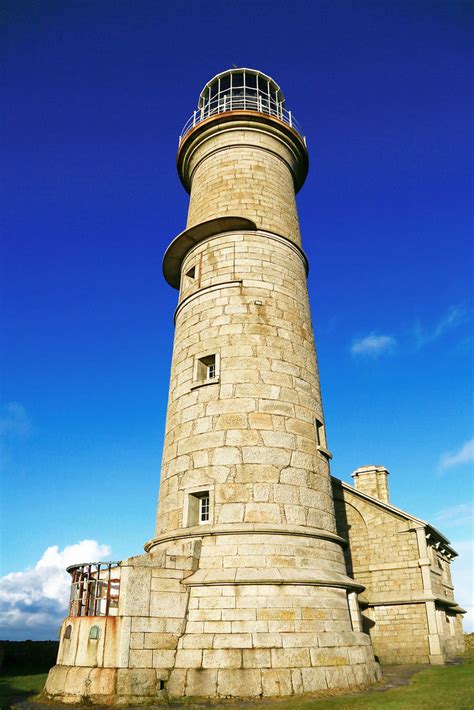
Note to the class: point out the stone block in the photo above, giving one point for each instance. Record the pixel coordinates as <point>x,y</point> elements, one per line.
<point>276,682</point>
<point>297,681</point>
<point>102,681</point>
<point>200,682</point>
<point>222,658</point>
<point>137,682</point>
<point>267,640</point>
<point>140,659</point>
<point>176,683</point>
<point>156,641</point>
<point>256,658</point>
<point>314,679</point>
<point>290,657</point>
<point>262,513</point>
<point>76,681</point>
<point>231,513</point>
<point>168,604</point>
<point>163,658</point>
<point>186,658</point>
<point>336,677</point>
<point>135,597</point>
<point>56,680</point>
<point>202,641</point>
<point>329,657</point>
<point>232,640</point>
<point>299,640</point>
<point>252,473</point>
<point>239,683</point>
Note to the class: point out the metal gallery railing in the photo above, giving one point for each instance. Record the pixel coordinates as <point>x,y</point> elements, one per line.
<point>243,102</point>
<point>95,589</point>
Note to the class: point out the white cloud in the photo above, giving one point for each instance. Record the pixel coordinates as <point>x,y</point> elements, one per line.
<point>455,515</point>
<point>14,421</point>
<point>374,345</point>
<point>455,316</point>
<point>34,602</point>
<point>463,578</point>
<point>463,455</point>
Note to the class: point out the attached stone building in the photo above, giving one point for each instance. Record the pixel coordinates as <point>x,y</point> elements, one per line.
<point>408,604</point>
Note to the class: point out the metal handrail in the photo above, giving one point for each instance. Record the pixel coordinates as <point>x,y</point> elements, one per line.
<point>95,589</point>
<point>224,104</point>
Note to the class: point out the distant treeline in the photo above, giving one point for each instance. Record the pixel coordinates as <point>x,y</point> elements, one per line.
<point>28,655</point>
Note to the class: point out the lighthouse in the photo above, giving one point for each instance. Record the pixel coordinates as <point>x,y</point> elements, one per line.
<point>243,590</point>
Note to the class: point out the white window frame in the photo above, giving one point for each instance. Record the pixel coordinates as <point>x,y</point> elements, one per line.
<point>206,369</point>
<point>193,503</point>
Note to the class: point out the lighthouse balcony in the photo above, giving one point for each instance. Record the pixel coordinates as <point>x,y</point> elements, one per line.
<point>95,589</point>
<point>241,90</point>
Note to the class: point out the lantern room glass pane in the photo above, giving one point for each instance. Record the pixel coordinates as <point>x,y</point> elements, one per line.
<point>250,80</point>
<point>238,79</point>
<point>225,83</point>
<point>263,85</point>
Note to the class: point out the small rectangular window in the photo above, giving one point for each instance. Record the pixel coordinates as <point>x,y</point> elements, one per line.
<point>207,369</point>
<point>198,510</point>
<point>204,509</point>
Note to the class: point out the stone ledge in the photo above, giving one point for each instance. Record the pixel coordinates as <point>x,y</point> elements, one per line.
<point>409,599</point>
<point>242,529</point>
<point>273,576</point>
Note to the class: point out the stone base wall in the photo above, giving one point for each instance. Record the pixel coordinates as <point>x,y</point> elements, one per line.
<point>451,634</point>
<point>270,640</point>
<point>399,633</point>
<point>181,632</point>
<point>128,686</point>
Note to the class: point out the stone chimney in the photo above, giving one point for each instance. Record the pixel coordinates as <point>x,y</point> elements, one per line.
<point>372,480</point>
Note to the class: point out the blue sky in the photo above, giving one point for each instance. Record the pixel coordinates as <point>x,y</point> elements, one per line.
<point>94,98</point>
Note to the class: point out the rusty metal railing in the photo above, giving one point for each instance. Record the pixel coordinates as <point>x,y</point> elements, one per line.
<point>95,589</point>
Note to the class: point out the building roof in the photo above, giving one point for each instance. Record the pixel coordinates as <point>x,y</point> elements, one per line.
<point>442,541</point>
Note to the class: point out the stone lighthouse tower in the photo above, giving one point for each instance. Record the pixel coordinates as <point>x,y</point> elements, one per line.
<point>243,591</point>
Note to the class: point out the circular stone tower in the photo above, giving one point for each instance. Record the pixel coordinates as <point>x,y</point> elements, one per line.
<point>245,478</point>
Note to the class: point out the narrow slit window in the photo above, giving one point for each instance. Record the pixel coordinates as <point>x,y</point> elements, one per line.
<point>320,433</point>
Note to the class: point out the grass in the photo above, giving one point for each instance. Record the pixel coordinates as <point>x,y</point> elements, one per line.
<point>448,687</point>
<point>15,688</point>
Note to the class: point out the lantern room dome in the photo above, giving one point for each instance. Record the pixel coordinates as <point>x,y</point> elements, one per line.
<point>241,89</point>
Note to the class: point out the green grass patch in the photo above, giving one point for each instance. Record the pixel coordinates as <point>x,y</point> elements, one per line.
<point>15,688</point>
<point>449,687</point>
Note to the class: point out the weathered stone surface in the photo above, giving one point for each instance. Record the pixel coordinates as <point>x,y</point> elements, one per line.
<point>241,683</point>
<point>202,683</point>
<point>136,682</point>
<point>56,681</point>
<point>276,682</point>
